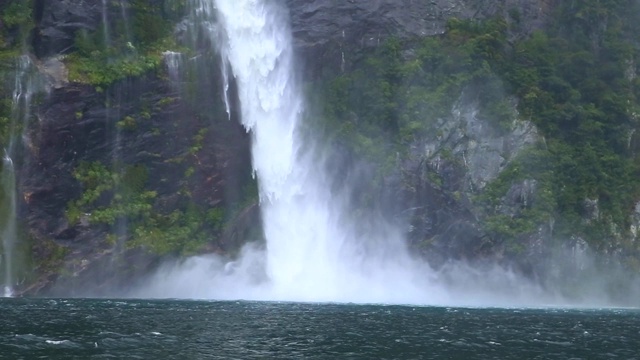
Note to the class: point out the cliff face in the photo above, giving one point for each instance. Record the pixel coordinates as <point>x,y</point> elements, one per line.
<point>445,169</point>
<point>332,34</point>
<point>473,182</point>
<point>57,23</point>
<point>169,171</point>
<point>126,163</point>
<point>78,125</point>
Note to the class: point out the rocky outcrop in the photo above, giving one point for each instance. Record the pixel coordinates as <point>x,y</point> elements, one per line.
<point>447,170</point>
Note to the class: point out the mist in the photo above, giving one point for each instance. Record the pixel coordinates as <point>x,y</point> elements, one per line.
<point>320,245</point>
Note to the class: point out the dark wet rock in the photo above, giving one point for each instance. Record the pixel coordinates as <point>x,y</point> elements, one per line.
<point>58,21</point>
<point>78,124</point>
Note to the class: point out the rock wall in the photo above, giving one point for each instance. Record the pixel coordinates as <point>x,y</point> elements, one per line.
<point>447,171</point>
<point>331,33</point>
<point>434,189</point>
<point>177,129</point>
<point>75,126</point>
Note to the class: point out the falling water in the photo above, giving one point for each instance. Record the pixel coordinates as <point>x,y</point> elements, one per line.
<point>316,250</point>
<point>27,83</point>
<point>125,19</point>
<point>105,24</point>
<point>312,252</point>
<point>173,61</point>
<point>9,233</point>
<point>117,34</point>
<point>225,78</point>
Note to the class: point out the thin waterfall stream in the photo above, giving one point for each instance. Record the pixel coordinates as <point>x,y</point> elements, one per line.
<point>28,82</point>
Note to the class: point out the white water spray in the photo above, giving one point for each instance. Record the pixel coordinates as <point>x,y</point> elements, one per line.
<point>308,248</point>
<point>314,251</point>
<point>312,254</point>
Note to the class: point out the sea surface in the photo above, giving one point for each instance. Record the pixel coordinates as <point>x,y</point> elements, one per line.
<point>176,329</point>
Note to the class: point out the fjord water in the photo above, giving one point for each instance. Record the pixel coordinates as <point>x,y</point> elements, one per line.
<point>142,329</point>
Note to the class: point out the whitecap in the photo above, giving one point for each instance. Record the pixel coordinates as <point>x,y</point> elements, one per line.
<point>57,342</point>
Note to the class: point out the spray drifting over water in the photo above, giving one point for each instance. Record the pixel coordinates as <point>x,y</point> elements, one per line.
<point>314,251</point>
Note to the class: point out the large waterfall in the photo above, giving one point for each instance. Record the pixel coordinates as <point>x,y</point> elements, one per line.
<point>312,252</point>
<point>315,249</point>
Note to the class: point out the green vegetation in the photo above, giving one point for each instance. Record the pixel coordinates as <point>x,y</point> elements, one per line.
<point>113,197</point>
<point>508,225</point>
<point>101,59</point>
<point>402,96</point>
<point>573,82</point>
<point>15,24</point>
<point>51,256</point>
<point>576,81</point>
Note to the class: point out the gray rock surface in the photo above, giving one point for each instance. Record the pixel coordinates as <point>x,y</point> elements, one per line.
<point>57,22</point>
<point>76,125</point>
<point>447,169</point>
<point>332,32</point>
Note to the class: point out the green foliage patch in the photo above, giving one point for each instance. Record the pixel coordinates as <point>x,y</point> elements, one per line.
<point>118,196</point>
<point>400,95</point>
<point>135,48</point>
<point>16,22</point>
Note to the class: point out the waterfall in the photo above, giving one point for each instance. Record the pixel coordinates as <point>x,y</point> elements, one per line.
<point>125,19</point>
<point>312,252</point>
<point>27,83</point>
<point>173,61</point>
<point>105,24</point>
<point>315,250</point>
<point>9,232</point>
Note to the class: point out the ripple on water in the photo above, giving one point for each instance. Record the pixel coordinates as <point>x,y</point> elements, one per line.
<point>32,329</point>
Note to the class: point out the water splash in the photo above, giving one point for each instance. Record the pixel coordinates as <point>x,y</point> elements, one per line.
<point>315,249</point>
<point>313,253</point>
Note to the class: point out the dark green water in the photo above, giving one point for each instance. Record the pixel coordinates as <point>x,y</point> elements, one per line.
<point>142,329</point>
